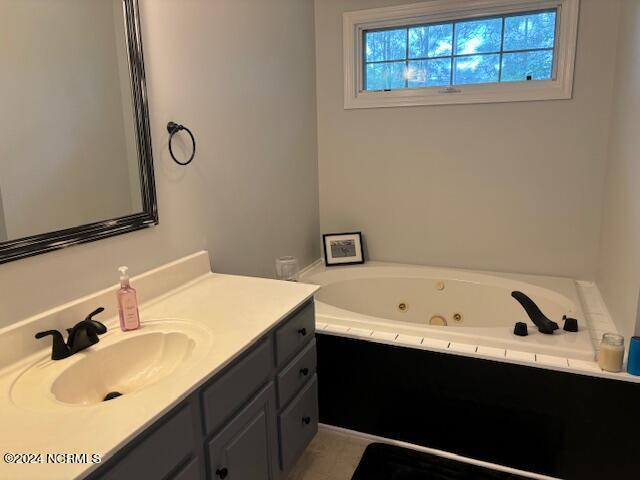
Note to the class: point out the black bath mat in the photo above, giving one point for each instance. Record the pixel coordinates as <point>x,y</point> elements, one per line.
<point>388,462</point>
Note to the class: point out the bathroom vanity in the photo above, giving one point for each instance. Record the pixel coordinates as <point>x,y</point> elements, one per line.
<point>251,421</point>
<point>228,385</point>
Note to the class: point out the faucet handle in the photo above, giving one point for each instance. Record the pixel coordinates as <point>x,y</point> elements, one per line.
<point>59,348</point>
<point>85,333</point>
<point>94,313</point>
<point>97,327</point>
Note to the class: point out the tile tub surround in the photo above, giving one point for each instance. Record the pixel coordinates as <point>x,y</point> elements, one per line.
<point>236,311</point>
<point>599,320</point>
<point>549,362</point>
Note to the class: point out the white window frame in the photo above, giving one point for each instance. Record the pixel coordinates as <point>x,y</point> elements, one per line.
<point>559,87</point>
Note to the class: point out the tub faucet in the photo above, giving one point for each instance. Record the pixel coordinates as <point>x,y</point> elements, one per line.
<point>81,336</point>
<point>544,324</point>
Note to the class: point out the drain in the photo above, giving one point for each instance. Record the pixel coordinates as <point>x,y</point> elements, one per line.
<point>438,320</point>
<point>403,307</point>
<point>111,396</point>
<point>457,317</point>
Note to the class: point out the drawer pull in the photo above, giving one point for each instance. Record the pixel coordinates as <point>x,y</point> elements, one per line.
<point>222,472</point>
<point>304,371</point>
<point>303,332</point>
<point>306,420</point>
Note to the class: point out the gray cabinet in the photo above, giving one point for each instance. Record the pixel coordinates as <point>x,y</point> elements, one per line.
<point>164,448</point>
<point>246,448</point>
<point>235,386</point>
<point>249,422</point>
<point>191,471</point>
<point>298,424</point>
<point>295,333</point>
<point>296,374</point>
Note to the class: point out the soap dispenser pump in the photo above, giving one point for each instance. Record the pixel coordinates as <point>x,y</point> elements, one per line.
<point>127,303</point>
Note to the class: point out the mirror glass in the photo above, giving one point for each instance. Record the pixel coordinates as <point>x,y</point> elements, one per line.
<point>71,152</point>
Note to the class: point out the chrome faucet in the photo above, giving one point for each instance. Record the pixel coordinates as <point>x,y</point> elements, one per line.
<point>81,336</point>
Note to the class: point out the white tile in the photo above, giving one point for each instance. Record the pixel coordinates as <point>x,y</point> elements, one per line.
<point>388,336</point>
<point>463,347</point>
<point>491,351</point>
<point>360,332</point>
<point>336,328</point>
<point>597,335</point>
<point>584,365</point>
<point>551,360</point>
<point>408,339</point>
<point>592,302</point>
<point>435,343</point>
<point>520,356</point>
<point>601,322</point>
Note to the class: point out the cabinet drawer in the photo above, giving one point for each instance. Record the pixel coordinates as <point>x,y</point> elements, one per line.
<point>246,448</point>
<point>225,395</point>
<point>157,453</point>
<point>297,331</point>
<point>296,374</point>
<point>298,424</point>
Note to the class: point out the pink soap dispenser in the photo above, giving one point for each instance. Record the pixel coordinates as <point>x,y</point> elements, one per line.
<point>127,303</point>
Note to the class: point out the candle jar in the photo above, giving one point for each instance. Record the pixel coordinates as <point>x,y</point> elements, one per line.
<point>611,352</point>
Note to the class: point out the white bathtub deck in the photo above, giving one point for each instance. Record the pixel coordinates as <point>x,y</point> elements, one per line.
<point>549,362</point>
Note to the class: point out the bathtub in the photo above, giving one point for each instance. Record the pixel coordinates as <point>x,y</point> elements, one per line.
<point>466,307</point>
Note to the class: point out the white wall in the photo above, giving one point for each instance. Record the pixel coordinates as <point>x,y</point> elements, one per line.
<point>64,157</point>
<point>619,267</point>
<point>3,230</point>
<point>509,187</point>
<point>241,74</point>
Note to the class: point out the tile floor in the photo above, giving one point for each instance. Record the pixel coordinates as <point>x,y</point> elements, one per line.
<point>330,456</point>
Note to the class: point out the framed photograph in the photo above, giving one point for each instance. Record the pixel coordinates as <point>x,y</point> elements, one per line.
<point>343,249</point>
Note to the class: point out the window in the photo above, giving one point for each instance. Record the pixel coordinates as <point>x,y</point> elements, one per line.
<point>433,53</point>
<point>509,48</point>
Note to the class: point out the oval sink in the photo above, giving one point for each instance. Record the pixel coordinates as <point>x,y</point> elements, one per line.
<point>124,367</point>
<point>121,365</point>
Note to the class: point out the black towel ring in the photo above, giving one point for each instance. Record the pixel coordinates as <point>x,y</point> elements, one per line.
<point>174,128</point>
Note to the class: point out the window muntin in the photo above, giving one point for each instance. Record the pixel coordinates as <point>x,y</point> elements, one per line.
<point>507,48</point>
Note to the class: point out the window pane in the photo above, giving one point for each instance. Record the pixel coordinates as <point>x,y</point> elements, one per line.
<point>525,32</point>
<point>477,69</point>
<point>386,45</point>
<point>479,36</point>
<point>430,41</point>
<point>384,76</point>
<point>429,73</point>
<point>516,67</point>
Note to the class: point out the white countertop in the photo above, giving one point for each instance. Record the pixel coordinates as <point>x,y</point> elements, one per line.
<point>237,311</point>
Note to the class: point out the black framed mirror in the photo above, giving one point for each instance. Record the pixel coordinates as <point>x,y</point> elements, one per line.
<point>76,161</point>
